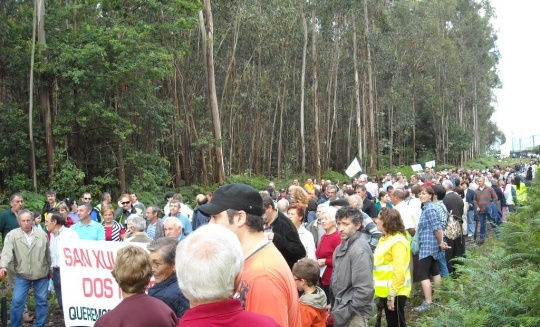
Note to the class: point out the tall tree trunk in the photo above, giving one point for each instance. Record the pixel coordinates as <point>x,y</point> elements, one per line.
<point>210,77</point>
<point>302,87</point>
<point>391,135</point>
<point>370,92</point>
<point>357,96</point>
<point>121,166</point>
<point>414,124</point>
<point>44,94</point>
<point>31,101</point>
<point>315,95</point>
<point>280,133</point>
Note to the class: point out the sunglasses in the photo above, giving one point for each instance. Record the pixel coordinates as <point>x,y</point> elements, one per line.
<point>124,203</point>
<point>88,198</point>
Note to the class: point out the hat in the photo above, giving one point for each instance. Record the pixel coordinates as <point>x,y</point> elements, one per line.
<point>236,197</point>
<point>339,202</point>
<point>282,190</point>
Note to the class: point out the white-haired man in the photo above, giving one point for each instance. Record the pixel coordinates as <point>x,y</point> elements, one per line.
<point>208,267</point>
<point>173,228</point>
<point>265,274</point>
<point>137,226</point>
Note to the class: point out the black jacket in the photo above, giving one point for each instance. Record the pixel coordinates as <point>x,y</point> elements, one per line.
<point>287,240</point>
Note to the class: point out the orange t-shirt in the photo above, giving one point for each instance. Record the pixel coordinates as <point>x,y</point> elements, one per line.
<point>268,287</point>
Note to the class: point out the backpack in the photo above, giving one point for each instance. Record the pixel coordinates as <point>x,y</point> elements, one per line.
<point>453,228</point>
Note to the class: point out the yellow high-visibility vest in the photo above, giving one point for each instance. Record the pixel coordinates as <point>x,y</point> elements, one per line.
<point>383,272</point>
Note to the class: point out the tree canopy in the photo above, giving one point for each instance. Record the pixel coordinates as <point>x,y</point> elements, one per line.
<point>390,82</point>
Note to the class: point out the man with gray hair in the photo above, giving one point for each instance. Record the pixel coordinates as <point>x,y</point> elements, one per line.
<point>173,228</point>
<point>136,228</point>
<point>283,206</point>
<point>208,267</point>
<point>174,207</point>
<point>369,231</point>
<point>28,248</point>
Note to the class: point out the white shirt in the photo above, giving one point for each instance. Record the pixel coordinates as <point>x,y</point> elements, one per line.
<point>406,214</point>
<point>416,205</point>
<point>64,233</point>
<point>307,240</point>
<point>29,237</point>
<point>186,211</point>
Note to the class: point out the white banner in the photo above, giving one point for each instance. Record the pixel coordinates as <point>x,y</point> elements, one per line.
<point>354,168</point>
<point>88,287</point>
<point>430,164</point>
<point>417,167</point>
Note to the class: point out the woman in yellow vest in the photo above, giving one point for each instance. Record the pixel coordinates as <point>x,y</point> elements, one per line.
<point>392,276</point>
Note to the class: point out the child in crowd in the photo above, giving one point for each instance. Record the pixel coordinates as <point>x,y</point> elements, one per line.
<point>313,300</point>
<point>37,220</point>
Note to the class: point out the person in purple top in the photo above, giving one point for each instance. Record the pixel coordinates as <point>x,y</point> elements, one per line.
<point>132,271</point>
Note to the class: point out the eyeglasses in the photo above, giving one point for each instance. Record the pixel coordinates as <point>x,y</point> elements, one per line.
<point>156,265</point>
<point>124,203</point>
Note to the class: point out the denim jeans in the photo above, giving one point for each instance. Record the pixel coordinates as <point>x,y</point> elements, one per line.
<point>57,286</point>
<point>470,222</point>
<point>20,292</point>
<point>443,266</point>
<point>482,217</point>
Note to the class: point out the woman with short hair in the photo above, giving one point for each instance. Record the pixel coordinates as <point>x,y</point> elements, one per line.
<point>113,230</point>
<point>63,209</point>
<point>132,271</point>
<point>325,251</point>
<point>163,253</point>
<point>296,215</point>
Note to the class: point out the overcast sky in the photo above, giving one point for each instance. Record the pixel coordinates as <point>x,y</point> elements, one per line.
<point>517,26</point>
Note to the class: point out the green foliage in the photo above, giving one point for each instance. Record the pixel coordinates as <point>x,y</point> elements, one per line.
<point>67,179</point>
<point>34,201</point>
<point>333,175</point>
<point>498,284</point>
<point>257,182</point>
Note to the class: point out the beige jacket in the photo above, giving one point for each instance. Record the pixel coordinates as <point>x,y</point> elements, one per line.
<point>30,262</point>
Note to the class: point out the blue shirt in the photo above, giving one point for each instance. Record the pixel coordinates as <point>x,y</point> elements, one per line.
<point>93,231</point>
<point>151,231</point>
<point>430,221</point>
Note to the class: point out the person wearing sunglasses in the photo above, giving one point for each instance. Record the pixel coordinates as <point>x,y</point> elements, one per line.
<point>126,209</point>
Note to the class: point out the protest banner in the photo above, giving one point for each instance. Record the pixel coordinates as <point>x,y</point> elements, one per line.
<point>430,164</point>
<point>88,288</point>
<point>417,167</point>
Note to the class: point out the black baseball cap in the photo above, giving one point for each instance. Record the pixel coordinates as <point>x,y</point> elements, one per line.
<point>236,197</point>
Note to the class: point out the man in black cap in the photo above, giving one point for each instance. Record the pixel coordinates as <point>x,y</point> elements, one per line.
<point>267,286</point>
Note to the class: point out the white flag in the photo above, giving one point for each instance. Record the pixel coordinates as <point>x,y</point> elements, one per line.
<point>354,168</point>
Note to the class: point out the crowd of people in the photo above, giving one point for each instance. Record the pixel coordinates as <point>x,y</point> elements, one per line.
<point>320,254</point>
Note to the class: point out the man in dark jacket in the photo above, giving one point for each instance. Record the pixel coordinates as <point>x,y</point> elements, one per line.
<point>454,203</point>
<point>281,231</point>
